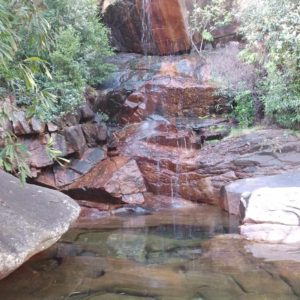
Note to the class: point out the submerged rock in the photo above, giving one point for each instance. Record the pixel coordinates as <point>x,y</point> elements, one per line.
<point>31,220</point>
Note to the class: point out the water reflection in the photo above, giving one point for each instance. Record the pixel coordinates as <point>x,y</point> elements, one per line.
<point>176,254</point>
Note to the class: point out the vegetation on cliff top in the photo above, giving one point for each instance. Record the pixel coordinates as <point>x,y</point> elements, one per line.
<point>50,51</point>
<point>270,30</point>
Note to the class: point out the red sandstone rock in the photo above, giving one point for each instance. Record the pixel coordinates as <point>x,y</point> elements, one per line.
<point>172,97</point>
<point>36,145</point>
<point>161,29</point>
<point>94,133</point>
<point>118,177</point>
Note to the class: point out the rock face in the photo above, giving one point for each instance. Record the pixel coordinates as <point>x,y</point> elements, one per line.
<point>144,26</point>
<point>199,174</point>
<point>169,86</point>
<point>272,215</point>
<point>157,27</point>
<point>32,219</point>
<point>178,161</point>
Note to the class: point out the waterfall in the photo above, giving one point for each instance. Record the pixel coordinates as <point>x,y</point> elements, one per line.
<point>146,38</point>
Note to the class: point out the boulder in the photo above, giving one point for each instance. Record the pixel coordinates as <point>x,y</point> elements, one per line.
<point>86,113</point>
<point>273,215</point>
<point>115,179</point>
<point>58,176</point>
<point>21,125</point>
<point>275,206</point>
<point>37,126</point>
<point>32,219</point>
<point>271,233</point>
<point>233,192</point>
<point>95,133</point>
<point>36,145</point>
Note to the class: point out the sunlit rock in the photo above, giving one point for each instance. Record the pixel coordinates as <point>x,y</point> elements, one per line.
<point>235,191</point>
<point>272,233</point>
<point>272,215</point>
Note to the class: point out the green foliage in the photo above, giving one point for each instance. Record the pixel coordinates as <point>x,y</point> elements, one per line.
<point>50,50</point>
<point>25,34</point>
<point>81,44</point>
<point>243,108</point>
<point>55,154</point>
<point>272,32</point>
<point>205,18</point>
<point>240,104</point>
<point>13,157</point>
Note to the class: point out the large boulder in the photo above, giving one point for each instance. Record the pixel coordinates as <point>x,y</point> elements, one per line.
<point>235,191</point>
<point>273,215</point>
<point>32,219</point>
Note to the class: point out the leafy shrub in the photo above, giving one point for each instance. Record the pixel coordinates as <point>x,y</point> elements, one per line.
<point>272,32</point>
<point>81,44</point>
<point>243,108</point>
<point>49,52</point>
<point>236,82</point>
<point>205,18</point>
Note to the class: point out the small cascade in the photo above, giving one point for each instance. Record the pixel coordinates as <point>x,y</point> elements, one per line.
<point>146,39</point>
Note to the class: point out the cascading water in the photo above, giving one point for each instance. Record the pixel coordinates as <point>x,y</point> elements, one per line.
<point>146,38</point>
<point>157,138</point>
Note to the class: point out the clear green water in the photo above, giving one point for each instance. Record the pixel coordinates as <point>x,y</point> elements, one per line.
<point>175,254</point>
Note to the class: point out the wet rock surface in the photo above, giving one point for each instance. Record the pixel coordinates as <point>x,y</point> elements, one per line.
<point>177,160</point>
<point>171,86</point>
<point>158,27</point>
<point>199,174</point>
<point>32,219</point>
<point>179,254</point>
<point>151,27</point>
<point>118,178</point>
